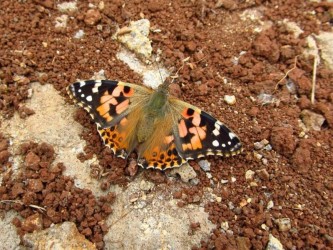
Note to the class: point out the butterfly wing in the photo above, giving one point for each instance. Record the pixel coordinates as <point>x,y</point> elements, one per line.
<point>115,107</point>
<point>198,134</point>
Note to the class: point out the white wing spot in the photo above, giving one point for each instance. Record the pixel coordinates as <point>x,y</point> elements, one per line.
<point>82,83</point>
<point>89,98</point>
<point>82,95</point>
<point>216,143</point>
<point>79,90</point>
<point>229,142</point>
<point>216,132</point>
<point>232,135</point>
<point>223,145</point>
<point>96,86</point>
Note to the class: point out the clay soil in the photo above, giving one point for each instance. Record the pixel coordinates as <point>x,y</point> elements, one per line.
<point>296,174</point>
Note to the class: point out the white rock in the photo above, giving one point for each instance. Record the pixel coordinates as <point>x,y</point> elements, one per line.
<point>67,7</point>
<point>324,41</point>
<point>204,165</point>
<point>230,99</point>
<point>225,225</point>
<point>273,243</point>
<point>79,34</point>
<point>312,120</point>
<point>249,174</point>
<point>284,224</point>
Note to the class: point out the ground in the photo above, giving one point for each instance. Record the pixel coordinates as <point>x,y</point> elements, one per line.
<point>264,68</point>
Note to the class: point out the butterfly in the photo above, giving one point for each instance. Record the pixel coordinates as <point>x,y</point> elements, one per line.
<point>165,131</point>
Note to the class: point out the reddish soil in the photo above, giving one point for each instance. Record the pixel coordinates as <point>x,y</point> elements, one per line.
<point>297,174</point>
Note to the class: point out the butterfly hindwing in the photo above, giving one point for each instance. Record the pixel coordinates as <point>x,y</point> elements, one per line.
<point>199,134</point>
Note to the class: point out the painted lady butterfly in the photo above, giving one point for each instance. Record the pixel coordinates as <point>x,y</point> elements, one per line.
<point>165,131</point>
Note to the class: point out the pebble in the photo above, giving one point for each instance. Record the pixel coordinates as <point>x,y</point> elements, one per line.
<point>225,225</point>
<point>186,172</point>
<point>284,224</point>
<point>263,174</point>
<point>249,174</point>
<point>233,179</point>
<point>209,175</point>
<point>273,243</point>
<point>204,165</point>
<point>270,205</point>
<point>67,6</point>
<point>230,99</point>
<point>224,181</point>
<point>79,34</point>
<point>61,22</point>
<point>311,120</point>
<point>92,17</point>
<point>261,144</point>
<point>257,155</point>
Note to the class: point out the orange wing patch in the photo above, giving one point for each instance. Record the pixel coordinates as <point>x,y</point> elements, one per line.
<point>163,156</point>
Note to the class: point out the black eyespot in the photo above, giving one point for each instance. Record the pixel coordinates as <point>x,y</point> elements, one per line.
<point>162,156</point>
<point>174,151</point>
<point>190,112</point>
<point>114,136</point>
<point>169,152</point>
<point>112,129</point>
<point>127,89</point>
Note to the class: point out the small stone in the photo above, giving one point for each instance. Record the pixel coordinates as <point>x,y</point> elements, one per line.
<point>264,161</point>
<point>233,179</point>
<point>194,181</point>
<point>263,174</point>
<point>284,224</point>
<point>209,175</point>
<point>249,175</point>
<point>31,159</point>
<point>32,223</point>
<point>230,99</point>
<point>218,199</point>
<point>224,181</point>
<point>268,147</point>
<point>253,184</point>
<point>225,225</point>
<point>186,172</point>
<point>261,144</point>
<point>243,203</point>
<point>67,7</point>
<point>204,165</point>
<point>61,22</point>
<point>270,204</point>
<point>92,17</point>
<point>273,243</point>
<point>79,34</point>
<point>264,227</point>
<point>257,155</point>
<point>311,120</point>
<point>35,185</point>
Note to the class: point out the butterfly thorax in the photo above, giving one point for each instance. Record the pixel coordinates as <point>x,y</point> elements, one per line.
<point>154,110</point>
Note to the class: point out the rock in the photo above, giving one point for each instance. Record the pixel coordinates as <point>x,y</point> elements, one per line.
<point>204,165</point>
<point>324,40</point>
<point>61,22</point>
<point>227,4</point>
<point>284,224</point>
<point>283,140</point>
<point>293,28</point>
<point>35,185</point>
<point>312,120</point>
<point>60,236</point>
<point>92,17</point>
<point>79,34</point>
<point>230,99</point>
<point>249,175</point>
<point>263,174</point>
<point>186,172</point>
<point>257,155</point>
<point>67,7</point>
<point>273,243</point>
<point>270,205</point>
<point>261,144</point>
<point>243,243</point>
<point>31,160</point>
<point>32,223</point>
<point>225,225</point>
<point>136,38</point>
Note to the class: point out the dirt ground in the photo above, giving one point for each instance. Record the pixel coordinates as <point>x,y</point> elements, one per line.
<point>265,53</point>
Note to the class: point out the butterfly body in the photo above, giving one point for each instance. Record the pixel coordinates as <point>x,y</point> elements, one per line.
<point>164,131</point>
